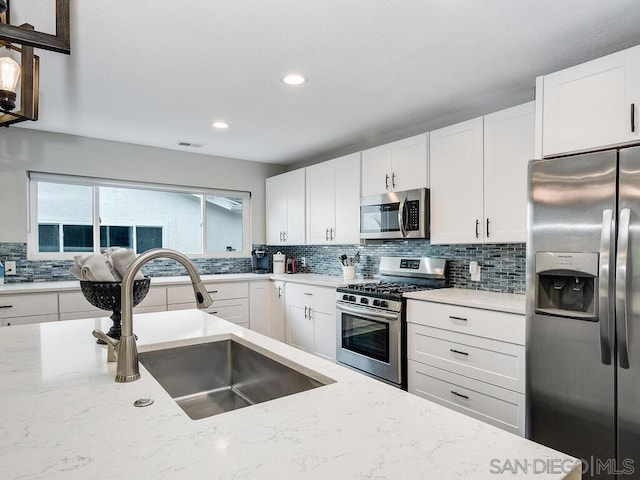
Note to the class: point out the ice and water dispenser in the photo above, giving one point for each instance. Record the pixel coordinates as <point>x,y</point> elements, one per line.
<point>567,284</point>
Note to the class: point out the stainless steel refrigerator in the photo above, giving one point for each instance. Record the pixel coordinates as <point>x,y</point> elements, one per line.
<point>583,309</point>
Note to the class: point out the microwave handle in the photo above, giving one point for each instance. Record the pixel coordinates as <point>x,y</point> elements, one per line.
<point>403,230</point>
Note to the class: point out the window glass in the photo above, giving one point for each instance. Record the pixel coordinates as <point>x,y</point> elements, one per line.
<point>177,213</point>
<point>134,215</point>
<point>224,223</point>
<point>49,237</point>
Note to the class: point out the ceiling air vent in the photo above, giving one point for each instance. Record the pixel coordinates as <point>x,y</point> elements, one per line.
<point>189,145</point>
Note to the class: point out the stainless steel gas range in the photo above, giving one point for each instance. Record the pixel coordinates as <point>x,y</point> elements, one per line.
<point>371,323</point>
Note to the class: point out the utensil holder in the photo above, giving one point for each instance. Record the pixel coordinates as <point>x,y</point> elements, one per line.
<point>349,272</point>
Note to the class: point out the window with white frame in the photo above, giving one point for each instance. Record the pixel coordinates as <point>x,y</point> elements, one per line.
<point>74,215</point>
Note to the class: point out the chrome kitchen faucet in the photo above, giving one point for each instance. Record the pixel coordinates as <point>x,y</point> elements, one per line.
<point>128,369</point>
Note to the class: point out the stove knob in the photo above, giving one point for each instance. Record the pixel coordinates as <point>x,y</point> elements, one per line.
<point>352,298</point>
<point>384,304</point>
<point>345,297</point>
<point>364,300</point>
<point>376,303</point>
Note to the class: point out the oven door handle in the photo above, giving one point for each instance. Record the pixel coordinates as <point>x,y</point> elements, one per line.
<point>368,313</point>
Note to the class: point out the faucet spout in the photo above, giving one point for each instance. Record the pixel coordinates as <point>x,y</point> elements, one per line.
<point>128,369</point>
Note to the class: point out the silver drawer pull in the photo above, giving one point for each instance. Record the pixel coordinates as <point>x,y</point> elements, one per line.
<point>212,291</point>
<point>310,294</point>
<point>459,395</point>
<point>6,306</point>
<point>458,352</point>
<point>462,319</point>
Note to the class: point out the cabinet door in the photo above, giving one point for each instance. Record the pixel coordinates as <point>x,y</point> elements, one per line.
<point>456,183</point>
<point>260,294</point>
<point>589,106</point>
<point>376,170</point>
<point>508,147</point>
<point>347,199</point>
<point>321,202</point>
<point>299,327</point>
<point>409,163</point>
<point>295,225</point>
<point>278,311</point>
<point>324,331</point>
<point>276,209</point>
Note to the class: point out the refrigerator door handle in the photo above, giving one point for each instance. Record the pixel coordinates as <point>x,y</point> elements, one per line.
<point>622,277</point>
<point>604,306</point>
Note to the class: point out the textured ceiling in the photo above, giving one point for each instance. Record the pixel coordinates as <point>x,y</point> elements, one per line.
<point>156,72</point>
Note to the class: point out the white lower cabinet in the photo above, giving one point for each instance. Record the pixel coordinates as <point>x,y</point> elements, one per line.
<point>470,360</point>
<point>31,308</point>
<point>230,300</point>
<point>311,319</point>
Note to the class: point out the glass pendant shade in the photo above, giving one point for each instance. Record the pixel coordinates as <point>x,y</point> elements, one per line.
<point>9,74</point>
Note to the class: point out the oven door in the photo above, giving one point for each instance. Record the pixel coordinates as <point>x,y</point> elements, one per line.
<point>369,340</point>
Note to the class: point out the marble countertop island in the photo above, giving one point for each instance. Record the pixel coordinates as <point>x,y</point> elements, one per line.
<point>64,417</point>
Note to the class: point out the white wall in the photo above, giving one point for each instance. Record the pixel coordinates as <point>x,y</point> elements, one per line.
<point>22,150</point>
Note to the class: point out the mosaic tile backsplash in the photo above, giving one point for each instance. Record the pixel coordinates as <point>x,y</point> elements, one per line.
<point>503,265</point>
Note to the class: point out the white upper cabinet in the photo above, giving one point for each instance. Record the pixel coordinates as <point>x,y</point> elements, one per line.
<point>508,147</point>
<point>457,183</point>
<point>592,105</point>
<point>333,201</point>
<point>479,178</point>
<point>396,166</point>
<point>285,200</point>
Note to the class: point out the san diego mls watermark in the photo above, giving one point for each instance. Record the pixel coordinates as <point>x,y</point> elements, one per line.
<point>556,466</point>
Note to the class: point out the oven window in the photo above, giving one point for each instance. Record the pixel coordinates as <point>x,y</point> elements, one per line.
<point>366,337</point>
<point>379,218</point>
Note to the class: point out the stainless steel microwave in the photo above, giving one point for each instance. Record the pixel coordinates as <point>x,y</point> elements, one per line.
<point>395,215</point>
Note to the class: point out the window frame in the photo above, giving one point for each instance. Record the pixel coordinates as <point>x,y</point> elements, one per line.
<point>96,182</point>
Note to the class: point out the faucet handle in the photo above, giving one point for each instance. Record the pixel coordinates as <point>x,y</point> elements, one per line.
<point>112,344</point>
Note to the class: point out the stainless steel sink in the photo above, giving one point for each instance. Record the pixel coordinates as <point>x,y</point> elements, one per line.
<point>217,377</point>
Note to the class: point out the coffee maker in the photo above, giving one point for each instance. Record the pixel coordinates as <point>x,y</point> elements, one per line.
<point>259,261</point>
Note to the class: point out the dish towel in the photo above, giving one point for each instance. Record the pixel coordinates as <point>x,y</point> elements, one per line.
<point>121,258</point>
<point>95,269</point>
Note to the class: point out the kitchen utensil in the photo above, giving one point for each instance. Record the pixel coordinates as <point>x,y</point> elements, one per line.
<point>343,260</point>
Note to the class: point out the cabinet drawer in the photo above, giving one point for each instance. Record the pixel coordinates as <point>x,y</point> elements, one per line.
<point>76,302</point>
<point>184,293</point>
<point>28,304</point>
<point>492,361</point>
<point>156,297</point>
<point>7,322</point>
<point>497,406</point>
<point>233,310</point>
<point>311,294</point>
<point>507,327</point>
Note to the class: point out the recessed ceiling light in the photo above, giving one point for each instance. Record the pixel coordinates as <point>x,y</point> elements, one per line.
<point>220,125</point>
<point>294,79</point>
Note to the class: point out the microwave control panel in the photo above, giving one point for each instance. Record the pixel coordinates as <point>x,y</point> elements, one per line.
<point>413,215</point>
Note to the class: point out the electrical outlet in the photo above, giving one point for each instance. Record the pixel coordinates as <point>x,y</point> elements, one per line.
<point>9,268</point>
<point>303,261</point>
<point>474,270</point>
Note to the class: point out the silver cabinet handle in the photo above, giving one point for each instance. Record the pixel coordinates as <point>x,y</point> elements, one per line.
<point>310,318</point>
<point>6,306</point>
<point>466,397</point>
<point>279,292</point>
<point>331,236</point>
<point>633,118</point>
<point>622,265</point>
<point>284,235</point>
<point>477,228</point>
<point>393,180</point>
<point>212,291</point>
<point>605,308</point>
<point>386,181</point>
<point>488,227</point>
<point>458,318</point>
<point>326,234</point>
<point>305,312</point>
<point>308,294</point>
<point>364,312</point>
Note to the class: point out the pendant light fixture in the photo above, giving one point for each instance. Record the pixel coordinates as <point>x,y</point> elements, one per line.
<point>22,40</point>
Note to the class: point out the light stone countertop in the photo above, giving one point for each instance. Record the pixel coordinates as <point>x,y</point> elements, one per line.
<point>307,278</point>
<point>64,418</point>
<point>502,302</point>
